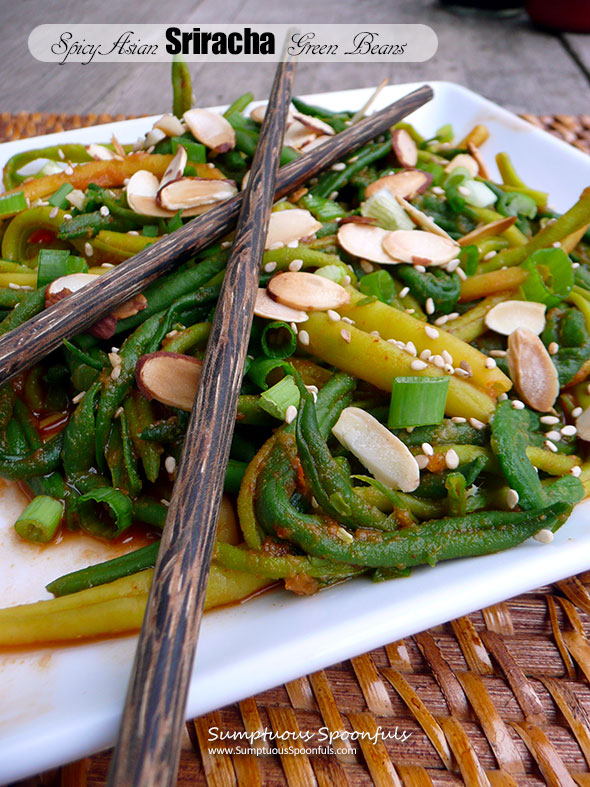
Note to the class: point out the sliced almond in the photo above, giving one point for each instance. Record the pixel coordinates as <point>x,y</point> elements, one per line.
<point>211,129</point>
<point>273,310</point>
<point>485,230</point>
<point>314,123</point>
<point>170,378</point>
<point>381,452</point>
<point>418,247</point>
<point>316,142</point>
<point>170,125</point>
<point>364,241</point>
<point>119,150</point>
<point>463,160</point>
<point>141,194</point>
<point>188,193</point>
<point>297,135</point>
<point>407,184</point>
<point>307,292</point>
<point>101,152</point>
<point>421,219</point>
<point>287,226</point>
<point>508,316</point>
<point>131,307</point>
<point>483,170</point>
<point>404,147</point>
<point>259,112</point>
<point>583,424</point>
<point>77,198</point>
<point>154,136</point>
<point>532,370</point>
<point>175,168</point>
<point>72,282</point>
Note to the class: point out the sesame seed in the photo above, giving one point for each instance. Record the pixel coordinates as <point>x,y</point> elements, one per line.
<point>339,166</point>
<point>452,316</point>
<point>226,244</point>
<point>449,368</point>
<point>441,320</point>
<point>290,414</point>
<point>577,412</point>
<point>376,334</point>
<point>458,419</point>
<point>135,232</point>
<point>411,348</point>
<point>418,365</point>
<point>427,449</point>
<point>53,212</point>
<point>437,190</point>
<point>575,265</point>
<point>60,153</point>
<point>88,250</point>
<point>466,366</point>
<point>170,464</point>
<point>293,244</point>
<point>341,533</point>
<point>502,397</point>
<point>165,502</point>
<point>118,412</point>
<point>270,266</point>
<point>553,435</point>
<point>303,337</point>
<point>551,446</point>
<point>116,372</point>
<point>404,291</point>
<point>68,216</point>
<point>576,471</point>
<point>345,334</point>
<point>107,265</point>
<point>453,265</point>
<point>431,332</point>
<point>429,306</point>
<point>332,315</point>
<point>78,397</point>
<point>422,461</point>
<point>461,274</point>
<point>490,363</point>
<point>294,328</point>
<point>295,265</point>
<point>553,348</point>
<point>346,281</point>
<point>333,195</point>
<point>557,244</point>
<point>461,372</point>
<point>352,159</point>
<point>426,354</point>
<point>438,361</point>
<point>452,459</point>
<point>348,320</point>
<point>104,211</point>
<point>517,404</point>
<point>69,170</point>
<point>498,353</point>
<point>115,359</point>
<point>544,536</point>
<point>550,420</point>
<point>367,266</point>
<point>512,498</point>
<point>169,335</point>
<point>489,255</point>
<point>409,311</point>
<point>447,357</point>
<point>568,430</point>
<point>420,268</point>
<point>277,245</point>
<point>477,424</point>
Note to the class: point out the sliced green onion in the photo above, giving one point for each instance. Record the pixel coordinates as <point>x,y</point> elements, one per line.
<point>54,263</point>
<point>322,208</point>
<point>380,284</point>
<point>120,506</point>
<point>278,340</point>
<point>514,204</point>
<point>551,276</point>
<point>469,256</point>
<point>13,203</point>
<point>40,519</point>
<point>59,198</point>
<point>50,168</point>
<point>260,369</point>
<point>277,399</point>
<point>417,401</point>
<point>195,152</point>
<point>189,171</point>
<point>150,230</point>
<point>333,272</point>
<point>175,223</point>
<point>480,196</point>
<point>386,210</point>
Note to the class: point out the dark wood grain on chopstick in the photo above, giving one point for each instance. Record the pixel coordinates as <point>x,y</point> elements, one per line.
<point>33,340</point>
<point>148,747</point>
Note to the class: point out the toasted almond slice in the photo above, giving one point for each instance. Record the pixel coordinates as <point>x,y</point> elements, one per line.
<point>298,135</point>
<point>258,113</point>
<point>101,153</point>
<point>170,125</point>
<point>583,424</point>
<point>211,129</point>
<point>286,226</point>
<point>141,194</point>
<point>482,170</point>
<point>72,282</point>
<point>463,160</point>
<point>316,142</point>
<point>273,310</point>
<point>307,292</point>
<point>532,370</point>
<point>119,150</point>
<point>381,452</point>
<point>420,248</point>
<point>314,123</point>
<point>421,219</point>
<point>404,147</point>
<point>364,241</point>
<point>485,230</point>
<point>170,378</point>
<point>407,184</point>
<point>187,193</point>
<point>154,136</point>
<point>175,168</point>
<point>507,316</point>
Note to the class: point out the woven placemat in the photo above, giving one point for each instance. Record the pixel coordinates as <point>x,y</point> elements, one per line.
<point>500,697</point>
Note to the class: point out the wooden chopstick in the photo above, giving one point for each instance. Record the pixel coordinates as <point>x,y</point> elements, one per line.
<point>148,746</point>
<point>36,338</point>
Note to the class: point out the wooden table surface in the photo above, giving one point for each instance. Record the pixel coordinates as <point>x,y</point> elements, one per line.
<point>507,60</point>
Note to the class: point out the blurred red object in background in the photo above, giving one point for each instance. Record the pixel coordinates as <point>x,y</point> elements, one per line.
<point>572,16</point>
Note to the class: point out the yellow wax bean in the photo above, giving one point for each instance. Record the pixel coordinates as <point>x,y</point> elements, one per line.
<point>22,279</point>
<point>377,362</point>
<point>548,462</point>
<point>477,136</point>
<point>395,324</point>
<point>483,284</point>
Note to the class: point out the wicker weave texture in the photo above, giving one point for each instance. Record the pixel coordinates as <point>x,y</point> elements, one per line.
<point>500,697</point>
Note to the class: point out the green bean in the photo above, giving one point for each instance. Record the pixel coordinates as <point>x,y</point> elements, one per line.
<point>28,307</point>
<point>39,462</point>
<point>335,180</point>
<point>182,89</point>
<point>78,453</point>
<point>239,105</point>
<point>139,414</point>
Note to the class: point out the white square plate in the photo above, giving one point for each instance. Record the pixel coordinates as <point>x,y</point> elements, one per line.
<point>62,703</point>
